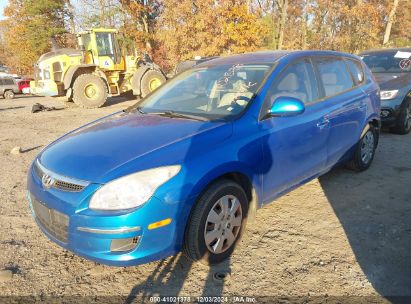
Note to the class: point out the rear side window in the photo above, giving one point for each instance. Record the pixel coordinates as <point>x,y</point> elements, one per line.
<point>1,81</point>
<point>356,70</point>
<point>334,75</point>
<point>9,81</point>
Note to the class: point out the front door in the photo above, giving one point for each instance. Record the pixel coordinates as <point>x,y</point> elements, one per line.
<point>294,148</point>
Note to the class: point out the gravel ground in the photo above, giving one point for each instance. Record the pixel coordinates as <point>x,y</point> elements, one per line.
<point>344,234</point>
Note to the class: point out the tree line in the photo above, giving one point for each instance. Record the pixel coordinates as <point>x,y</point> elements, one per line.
<point>175,30</point>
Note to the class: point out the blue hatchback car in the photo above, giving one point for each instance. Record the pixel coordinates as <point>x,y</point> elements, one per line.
<point>184,168</point>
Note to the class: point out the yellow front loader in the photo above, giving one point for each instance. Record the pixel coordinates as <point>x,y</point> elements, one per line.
<point>99,68</point>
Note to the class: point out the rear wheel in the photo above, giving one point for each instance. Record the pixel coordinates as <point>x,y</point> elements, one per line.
<point>150,81</point>
<point>89,91</point>
<point>404,119</point>
<point>9,94</point>
<point>216,223</point>
<point>365,151</point>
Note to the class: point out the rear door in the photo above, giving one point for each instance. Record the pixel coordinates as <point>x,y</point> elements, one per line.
<point>347,105</point>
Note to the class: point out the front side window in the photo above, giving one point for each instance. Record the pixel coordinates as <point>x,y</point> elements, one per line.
<point>105,44</point>
<point>334,76</point>
<point>297,80</point>
<point>212,92</point>
<point>8,81</point>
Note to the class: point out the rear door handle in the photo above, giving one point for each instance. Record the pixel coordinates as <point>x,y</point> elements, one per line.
<point>323,123</point>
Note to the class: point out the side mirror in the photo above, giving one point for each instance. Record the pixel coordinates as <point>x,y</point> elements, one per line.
<point>286,106</point>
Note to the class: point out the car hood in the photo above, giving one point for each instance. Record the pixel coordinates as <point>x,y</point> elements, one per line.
<point>388,81</point>
<point>92,151</point>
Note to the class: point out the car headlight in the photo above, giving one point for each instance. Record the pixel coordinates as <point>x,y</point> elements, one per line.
<point>131,190</point>
<point>385,95</point>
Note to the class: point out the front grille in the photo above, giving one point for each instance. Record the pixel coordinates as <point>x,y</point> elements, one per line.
<point>53,221</point>
<point>59,183</point>
<point>65,186</point>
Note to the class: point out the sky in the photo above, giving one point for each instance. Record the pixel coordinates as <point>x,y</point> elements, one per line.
<point>3,4</point>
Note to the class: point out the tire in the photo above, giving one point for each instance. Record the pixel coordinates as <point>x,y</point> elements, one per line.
<point>89,91</point>
<point>200,223</point>
<point>150,81</point>
<point>365,151</point>
<point>403,125</point>
<point>8,94</point>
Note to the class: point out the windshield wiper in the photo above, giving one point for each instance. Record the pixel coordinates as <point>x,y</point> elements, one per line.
<point>139,109</point>
<point>133,108</point>
<point>172,114</point>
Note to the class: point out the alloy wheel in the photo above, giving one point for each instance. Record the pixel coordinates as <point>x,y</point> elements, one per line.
<point>367,147</point>
<point>408,117</point>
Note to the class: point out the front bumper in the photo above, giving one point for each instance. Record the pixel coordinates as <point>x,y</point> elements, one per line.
<point>91,234</point>
<point>390,110</point>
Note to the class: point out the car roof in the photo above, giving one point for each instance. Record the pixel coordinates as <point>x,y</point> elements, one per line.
<point>262,57</point>
<point>386,51</point>
<point>256,57</point>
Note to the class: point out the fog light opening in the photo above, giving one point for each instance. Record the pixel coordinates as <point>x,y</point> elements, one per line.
<point>123,245</point>
<point>385,113</point>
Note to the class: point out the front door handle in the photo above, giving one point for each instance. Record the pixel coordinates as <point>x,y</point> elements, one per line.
<point>323,123</point>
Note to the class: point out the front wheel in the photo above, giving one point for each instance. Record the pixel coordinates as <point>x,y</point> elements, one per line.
<point>216,223</point>
<point>9,95</point>
<point>150,81</point>
<point>89,91</point>
<point>404,119</point>
<point>365,151</point>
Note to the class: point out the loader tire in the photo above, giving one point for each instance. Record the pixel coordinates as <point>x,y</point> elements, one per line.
<point>150,81</point>
<point>89,91</point>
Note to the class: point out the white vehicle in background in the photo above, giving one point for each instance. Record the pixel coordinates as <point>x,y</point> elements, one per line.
<point>26,90</point>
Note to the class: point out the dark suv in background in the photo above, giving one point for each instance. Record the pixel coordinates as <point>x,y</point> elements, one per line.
<point>392,70</point>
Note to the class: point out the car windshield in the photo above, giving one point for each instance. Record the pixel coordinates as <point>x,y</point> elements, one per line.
<point>387,62</point>
<point>212,92</point>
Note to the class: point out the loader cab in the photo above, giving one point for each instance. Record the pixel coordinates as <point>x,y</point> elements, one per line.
<point>101,47</point>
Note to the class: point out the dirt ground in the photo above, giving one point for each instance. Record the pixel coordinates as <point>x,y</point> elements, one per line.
<point>345,234</point>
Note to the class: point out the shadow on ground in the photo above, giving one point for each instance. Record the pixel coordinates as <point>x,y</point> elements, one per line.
<point>11,108</point>
<point>375,212</point>
<point>168,278</point>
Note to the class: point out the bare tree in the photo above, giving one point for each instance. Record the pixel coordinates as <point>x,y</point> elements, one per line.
<point>70,14</point>
<point>282,8</point>
<point>390,21</point>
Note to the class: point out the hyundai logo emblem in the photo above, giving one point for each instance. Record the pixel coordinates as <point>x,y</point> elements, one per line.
<point>47,181</point>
